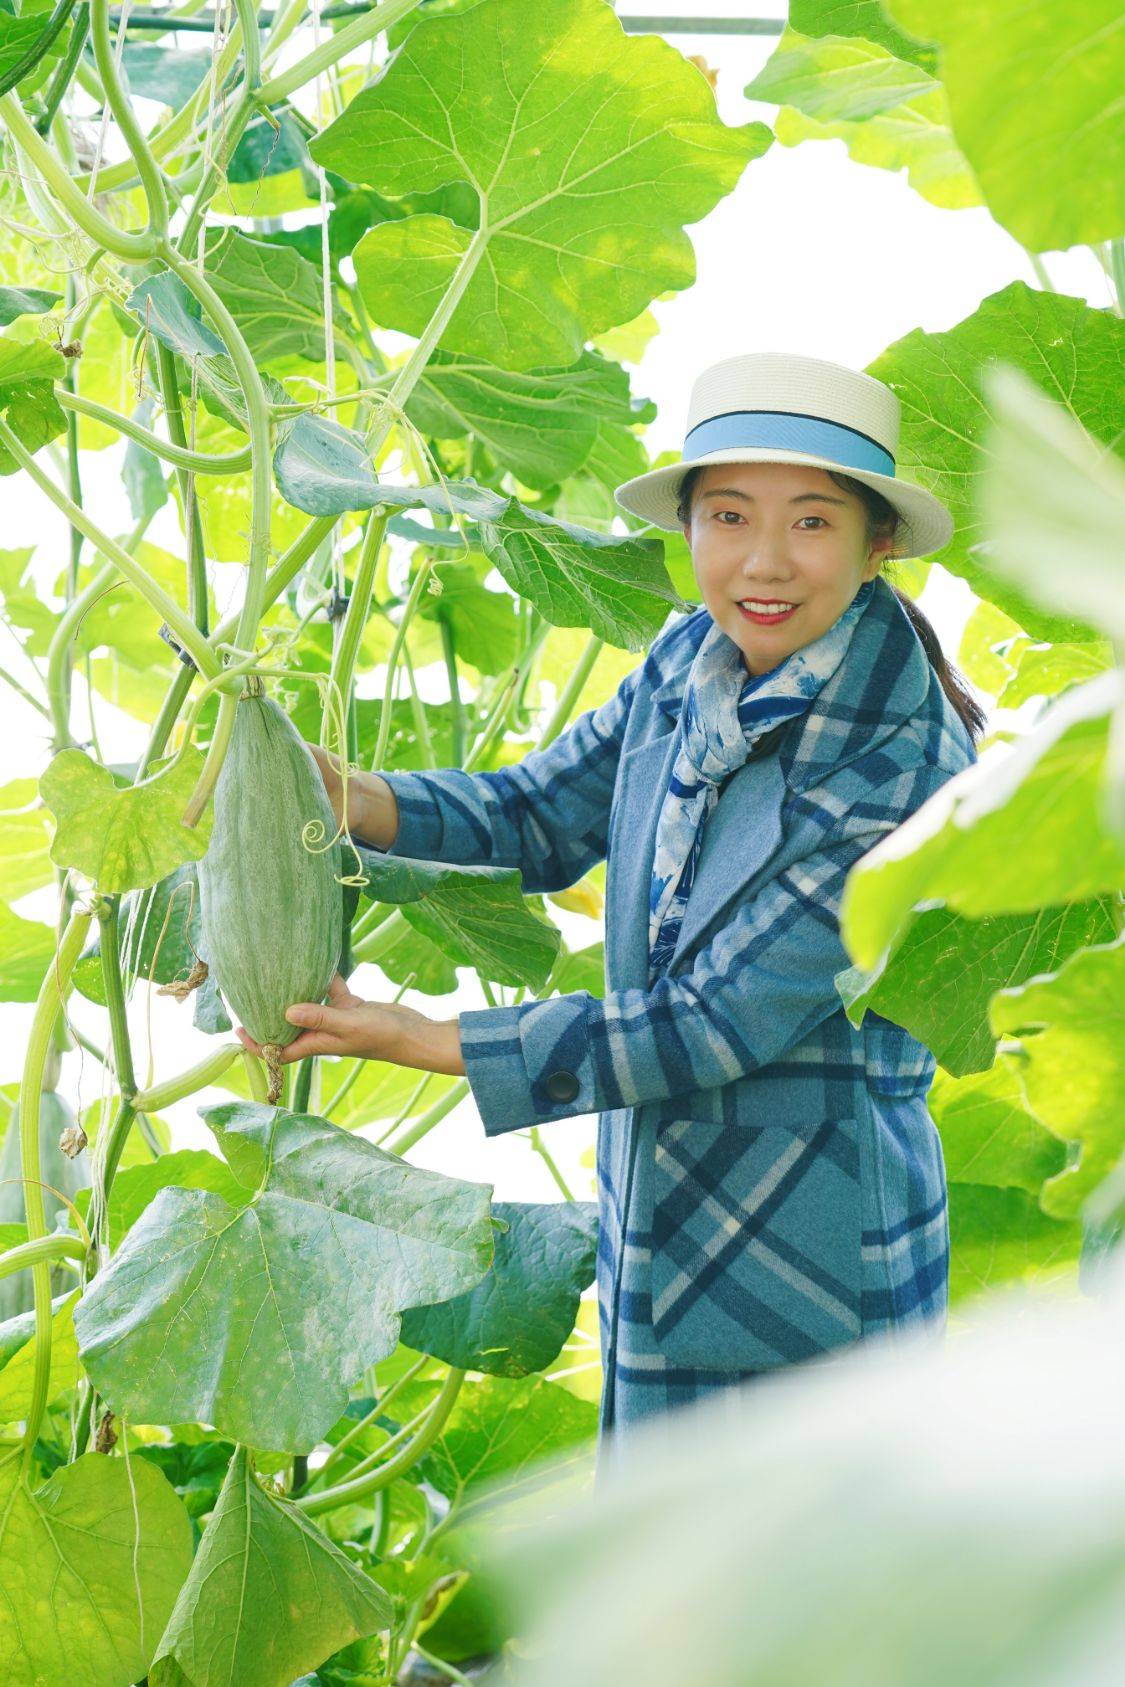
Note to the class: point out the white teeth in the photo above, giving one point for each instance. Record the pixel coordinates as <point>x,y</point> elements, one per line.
<point>760,608</point>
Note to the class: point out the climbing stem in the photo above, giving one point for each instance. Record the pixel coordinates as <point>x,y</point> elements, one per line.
<point>206,1071</point>
<point>572,691</point>
<point>52,993</point>
<point>46,1248</point>
<point>418,586</point>
<point>131,248</point>
<point>347,1493</point>
<point>433,1116</point>
<point>198,462</point>
<point>114,992</point>
<point>165,606</point>
<point>152,180</point>
<point>359,603</point>
<point>353,34</point>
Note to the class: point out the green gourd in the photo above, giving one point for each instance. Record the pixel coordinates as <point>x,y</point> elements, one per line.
<point>56,1169</point>
<point>270,899</point>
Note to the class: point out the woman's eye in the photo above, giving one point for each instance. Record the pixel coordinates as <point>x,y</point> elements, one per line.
<point>730,512</point>
<point>819,518</point>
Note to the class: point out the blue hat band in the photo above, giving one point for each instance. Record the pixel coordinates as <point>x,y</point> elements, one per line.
<point>781,430</point>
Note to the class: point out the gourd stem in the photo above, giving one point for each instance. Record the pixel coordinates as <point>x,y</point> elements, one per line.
<point>114,991</point>
<point>353,34</point>
<point>284,571</point>
<point>359,603</point>
<point>62,639</point>
<point>52,993</point>
<point>418,714</point>
<point>48,1248</point>
<point>544,1154</point>
<point>130,248</point>
<point>257,427</point>
<point>373,945</point>
<point>412,602</point>
<point>165,140</point>
<point>165,606</point>
<point>572,691</point>
<point>433,1116</point>
<point>152,181</point>
<point>359,1488</point>
<point>60,82</point>
<point>193,524</point>
<point>381,1405</point>
<point>206,1071</point>
<point>302,1085</point>
<point>456,705</point>
<point>198,462</point>
<point>166,719</point>
<point>234,127</point>
<point>115,1144</point>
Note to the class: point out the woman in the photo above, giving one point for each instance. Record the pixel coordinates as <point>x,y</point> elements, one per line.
<point>771,1186</point>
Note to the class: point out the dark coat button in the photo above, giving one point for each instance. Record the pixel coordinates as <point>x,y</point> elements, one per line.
<point>561,1086</point>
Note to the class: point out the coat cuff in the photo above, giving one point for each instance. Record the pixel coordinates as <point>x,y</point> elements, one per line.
<point>420,826</point>
<point>529,1064</point>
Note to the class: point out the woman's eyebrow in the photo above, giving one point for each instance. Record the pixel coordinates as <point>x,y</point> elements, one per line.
<point>801,498</point>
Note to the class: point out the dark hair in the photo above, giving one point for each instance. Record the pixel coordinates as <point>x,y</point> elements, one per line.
<point>882,519</point>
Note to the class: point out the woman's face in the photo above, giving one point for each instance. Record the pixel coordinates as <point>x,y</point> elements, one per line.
<point>766,531</point>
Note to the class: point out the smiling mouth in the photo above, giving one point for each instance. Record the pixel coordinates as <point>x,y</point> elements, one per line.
<point>764,617</point>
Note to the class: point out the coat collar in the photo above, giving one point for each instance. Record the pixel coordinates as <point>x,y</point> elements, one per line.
<point>882,681</point>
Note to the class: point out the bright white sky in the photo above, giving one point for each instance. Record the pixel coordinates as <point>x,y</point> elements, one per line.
<point>811,253</point>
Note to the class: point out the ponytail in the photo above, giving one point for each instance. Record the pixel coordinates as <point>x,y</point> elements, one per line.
<point>882,520</point>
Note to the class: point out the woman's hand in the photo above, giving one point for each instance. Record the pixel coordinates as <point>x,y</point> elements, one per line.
<point>372,808</point>
<point>374,1030</point>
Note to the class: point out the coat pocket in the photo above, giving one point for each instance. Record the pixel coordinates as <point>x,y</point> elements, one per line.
<point>756,1242</point>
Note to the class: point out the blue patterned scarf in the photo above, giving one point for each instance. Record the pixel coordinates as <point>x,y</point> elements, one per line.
<point>724,713</point>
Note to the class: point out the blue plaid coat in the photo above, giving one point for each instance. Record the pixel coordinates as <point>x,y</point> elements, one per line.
<point>771,1185</point>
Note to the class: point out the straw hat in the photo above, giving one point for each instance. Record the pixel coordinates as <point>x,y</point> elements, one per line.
<point>778,407</point>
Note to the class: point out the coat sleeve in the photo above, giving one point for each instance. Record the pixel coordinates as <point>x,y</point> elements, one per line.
<point>547,815</point>
<point>761,985</point>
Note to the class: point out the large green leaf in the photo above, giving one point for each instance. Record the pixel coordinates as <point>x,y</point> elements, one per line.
<point>541,424</point>
<point>999,837</point>
<point>502,1430</point>
<point>273,293</point>
<point>940,978</point>
<point>17,1357</point>
<point>865,18</point>
<point>485,624</point>
<point>268,1596</point>
<point>136,1187</point>
<point>25,301</point>
<point>1045,670</point>
<point>1065,1040</point>
<point>169,75</point>
<point>1035,97</point>
<point>517,1318</point>
<point>27,397</point>
<point>997,1158</point>
<point>988,1137</point>
<point>618,587</point>
<point>258,1319</point>
<point>27,948</point>
<point>1074,353</point>
<point>93,1561</point>
<point>161,932</point>
<point>476,916</point>
<point>123,838</point>
<point>588,150</point>
<point>25,614</point>
<point>1053,503</point>
<point>888,112</point>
